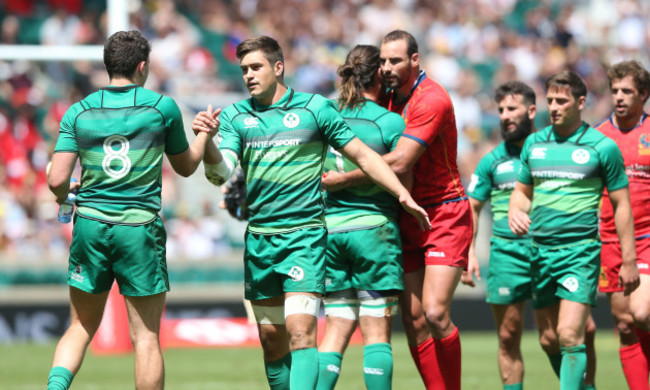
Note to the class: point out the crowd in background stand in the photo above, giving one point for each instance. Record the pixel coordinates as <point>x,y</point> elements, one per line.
<point>468,46</point>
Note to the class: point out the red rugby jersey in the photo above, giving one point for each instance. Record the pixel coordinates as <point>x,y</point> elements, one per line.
<point>635,146</point>
<point>430,121</point>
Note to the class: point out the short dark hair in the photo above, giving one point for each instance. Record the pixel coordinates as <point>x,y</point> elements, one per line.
<point>396,35</point>
<point>632,68</point>
<point>267,45</point>
<point>123,51</point>
<point>568,78</point>
<point>515,88</point>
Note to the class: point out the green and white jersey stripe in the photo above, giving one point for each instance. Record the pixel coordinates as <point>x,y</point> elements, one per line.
<point>364,206</point>
<point>569,175</point>
<point>282,148</point>
<point>121,134</point>
<point>494,180</point>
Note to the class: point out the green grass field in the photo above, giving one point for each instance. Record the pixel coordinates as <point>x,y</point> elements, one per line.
<point>25,367</point>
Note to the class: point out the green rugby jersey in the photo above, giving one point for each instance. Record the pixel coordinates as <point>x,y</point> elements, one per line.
<point>494,180</point>
<point>365,206</point>
<point>569,175</point>
<point>282,148</point>
<point>120,134</point>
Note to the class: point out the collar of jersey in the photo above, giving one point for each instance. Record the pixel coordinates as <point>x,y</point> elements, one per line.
<point>120,88</point>
<point>583,128</point>
<point>288,96</point>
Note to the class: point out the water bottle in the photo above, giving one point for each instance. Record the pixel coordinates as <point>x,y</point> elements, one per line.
<point>66,210</point>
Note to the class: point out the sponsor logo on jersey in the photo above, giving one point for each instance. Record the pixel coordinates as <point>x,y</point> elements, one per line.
<point>291,120</point>
<point>580,156</point>
<point>508,166</point>
<point>247,286</point>
<point>538,153</point>
<point>644,144</point>
<point>296,273</point>
<point>643,265</point>
<point>373,371</point>
<point>436,254</point>
<point>504,291</point>
<point>250,122</point>
<point>333,368</point>
<point>571,284</point>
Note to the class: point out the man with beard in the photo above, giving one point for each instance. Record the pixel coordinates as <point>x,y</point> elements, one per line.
<point>564,169</point>
<point>629,126</point>
<point>509,276</point>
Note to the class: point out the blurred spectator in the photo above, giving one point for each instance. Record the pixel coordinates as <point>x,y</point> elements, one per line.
<point>470,46</point>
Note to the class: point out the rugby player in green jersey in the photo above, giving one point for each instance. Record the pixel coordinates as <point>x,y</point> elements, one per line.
<point>120,134</point>
<point>364,251</point>
<point>509,277</point>
<point>280,138</point>
<point>564,169</point>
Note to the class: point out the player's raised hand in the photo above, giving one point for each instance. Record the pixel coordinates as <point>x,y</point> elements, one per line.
<point>207,121</point>
<point>415,210</point>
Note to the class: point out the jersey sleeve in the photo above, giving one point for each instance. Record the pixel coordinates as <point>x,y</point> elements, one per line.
<point>175,139</point>
<point>67,141</point>
<point>613,166</point>
<point>525,176</point>
<point>426,118</point>
<point>392,126</point>
<point>229,138</point>
<point>480,185</point>
<point>335,129</point>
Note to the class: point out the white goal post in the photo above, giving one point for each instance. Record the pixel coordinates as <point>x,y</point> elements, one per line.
<point>118,20</point>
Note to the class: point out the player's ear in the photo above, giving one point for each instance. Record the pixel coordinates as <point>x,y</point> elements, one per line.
<point>415,59</point>
<point>532,111</point>
<point>278,68</point>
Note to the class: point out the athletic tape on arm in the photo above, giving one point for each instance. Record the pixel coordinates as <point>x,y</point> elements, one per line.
<point>217,174</point>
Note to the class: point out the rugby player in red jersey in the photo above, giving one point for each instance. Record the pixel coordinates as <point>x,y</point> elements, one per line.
<point>629,127</point>
<point>425,158</point>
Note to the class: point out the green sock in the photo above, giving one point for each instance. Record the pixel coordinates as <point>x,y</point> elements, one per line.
<point>304,368</point>
<point>514,386</point>
<point>574,366</point>
<point>378,366</point>
<point>589,387</point>
<point>277,373</point>
<point>59,379</point>
<point>330,368</point>
<point>556,363</point>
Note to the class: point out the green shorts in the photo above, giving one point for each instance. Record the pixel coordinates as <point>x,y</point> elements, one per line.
<point>286,262</point>
<point>569,272</point>
<point>368,259</point>
<point>133,255</point>
<point>509,278</point>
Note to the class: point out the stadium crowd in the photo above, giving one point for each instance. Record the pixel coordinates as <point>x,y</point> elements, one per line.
<point>468,46</point>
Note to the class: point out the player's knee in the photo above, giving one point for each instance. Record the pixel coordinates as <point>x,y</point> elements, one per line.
<point>641,316</point>
<point>549,342</point>
<point>509,339</point>
<point>437,317</point>
<point>568,336</point>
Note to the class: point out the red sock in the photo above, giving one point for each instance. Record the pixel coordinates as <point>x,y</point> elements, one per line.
<point>424,356</point>
<point>644,339</point>
<point>448,353</point>
<point>635,367</point>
